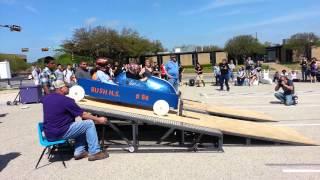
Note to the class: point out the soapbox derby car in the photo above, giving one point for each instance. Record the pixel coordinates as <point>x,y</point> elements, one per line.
<point>153,93</point>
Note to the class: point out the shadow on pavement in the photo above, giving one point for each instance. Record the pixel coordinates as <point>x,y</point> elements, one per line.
<point>3,115</point>
<point>6,158</point>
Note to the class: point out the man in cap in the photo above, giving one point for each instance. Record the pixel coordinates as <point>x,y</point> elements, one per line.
<point>60,112</point>
<point>172,69</point>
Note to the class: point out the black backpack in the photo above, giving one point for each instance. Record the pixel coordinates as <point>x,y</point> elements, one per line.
<point>191,82</point>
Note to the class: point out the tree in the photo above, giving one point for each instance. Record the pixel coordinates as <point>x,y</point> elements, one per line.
<point>302,42</point>
<point>107,42</point>
<point>243,46</point>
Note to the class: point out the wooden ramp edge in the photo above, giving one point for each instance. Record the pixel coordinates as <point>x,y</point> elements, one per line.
<point>224,111</point>
<point>227,126</point>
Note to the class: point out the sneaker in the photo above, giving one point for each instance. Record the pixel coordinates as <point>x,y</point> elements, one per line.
<point>80,156</point>
<point>98,156</point>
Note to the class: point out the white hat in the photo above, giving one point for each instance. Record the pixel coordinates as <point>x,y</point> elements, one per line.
<point>58,84</point>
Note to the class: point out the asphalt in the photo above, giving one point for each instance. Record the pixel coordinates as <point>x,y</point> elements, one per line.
<point>20,150</point>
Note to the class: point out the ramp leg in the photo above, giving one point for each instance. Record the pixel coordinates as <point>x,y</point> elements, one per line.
<point>248,141</point>
<point>165,135</point>
<point>135,135</point>
<point>119,133</point>
<point>182,138</point>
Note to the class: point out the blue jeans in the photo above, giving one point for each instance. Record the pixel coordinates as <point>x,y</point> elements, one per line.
<point>286,99</point>
<point>174,82</point>
<point>304,73</point>
<point>83,132</point>
<point>224,78</point>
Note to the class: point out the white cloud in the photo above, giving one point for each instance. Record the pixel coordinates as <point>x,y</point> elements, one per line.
<point>90,21</point>
<point>276,20</point>
<point>219,4</point>
<point>31,9</point>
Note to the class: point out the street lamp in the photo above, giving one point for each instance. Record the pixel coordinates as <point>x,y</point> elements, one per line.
<point>12,27</point>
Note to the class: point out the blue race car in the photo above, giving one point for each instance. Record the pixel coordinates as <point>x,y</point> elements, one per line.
<point>153,93</point>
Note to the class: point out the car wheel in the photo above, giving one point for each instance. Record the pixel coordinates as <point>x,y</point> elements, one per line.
<point>161,107</point>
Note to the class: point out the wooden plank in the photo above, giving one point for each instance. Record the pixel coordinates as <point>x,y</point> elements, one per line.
<point>225,125</point>
<point>224,111</point>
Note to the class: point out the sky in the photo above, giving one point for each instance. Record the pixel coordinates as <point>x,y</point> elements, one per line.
<point>47,23</point>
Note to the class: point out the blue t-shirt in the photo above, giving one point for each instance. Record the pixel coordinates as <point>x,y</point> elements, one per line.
<point>59,113</point>
<point>172,69</point>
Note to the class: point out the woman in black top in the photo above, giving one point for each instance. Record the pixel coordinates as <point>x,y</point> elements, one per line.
<point>199,76</point>
<point>224,69</point>
<point>146,71</point>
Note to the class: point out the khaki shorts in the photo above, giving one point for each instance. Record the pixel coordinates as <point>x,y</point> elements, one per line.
<point>199,77</point>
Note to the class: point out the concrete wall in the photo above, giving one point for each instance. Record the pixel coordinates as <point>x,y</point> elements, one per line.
<point>204,58</point>
<point>220,56</point>
<point>186,59</point>
<point>315,52</point>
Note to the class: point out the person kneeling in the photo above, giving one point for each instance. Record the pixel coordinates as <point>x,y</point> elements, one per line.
<point>60,112</point>
<point>287,96</point>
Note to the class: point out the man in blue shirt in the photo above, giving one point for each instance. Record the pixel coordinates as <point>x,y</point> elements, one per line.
<point>60,112</point>
<point>172,69</point>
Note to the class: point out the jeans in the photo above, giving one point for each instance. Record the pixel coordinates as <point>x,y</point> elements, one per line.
<point>83,132</point>
<point>224,78</point>
<point>286,99</point>
<point>174,82</point>
<point>240,81</point>
<point>304,73</point>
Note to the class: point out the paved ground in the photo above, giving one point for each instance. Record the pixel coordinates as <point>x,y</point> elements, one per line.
<point>20,150</point>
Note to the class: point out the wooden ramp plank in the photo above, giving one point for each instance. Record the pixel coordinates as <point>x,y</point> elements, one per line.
<point>224,111</point>
<point>226,125</point>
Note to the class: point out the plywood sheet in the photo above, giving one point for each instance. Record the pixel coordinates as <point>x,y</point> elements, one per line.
<point>224,111</point>
<point>225,125</point>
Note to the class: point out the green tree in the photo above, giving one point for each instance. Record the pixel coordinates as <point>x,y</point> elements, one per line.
<point>242,46</point>
<point>302,42</point>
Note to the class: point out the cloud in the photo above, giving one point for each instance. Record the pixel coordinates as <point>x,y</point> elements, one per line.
<point>277,20</point>
<point>219,4</point>
<point>90,21</point>
<point>31,9</point>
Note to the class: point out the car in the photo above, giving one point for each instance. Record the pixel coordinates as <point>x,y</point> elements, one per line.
<point>153,93</point>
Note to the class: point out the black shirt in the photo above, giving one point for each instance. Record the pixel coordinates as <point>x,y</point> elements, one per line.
<point>224,68</point>
<point>304,65</point>
<point>198,70</point>
<point>287,91</point>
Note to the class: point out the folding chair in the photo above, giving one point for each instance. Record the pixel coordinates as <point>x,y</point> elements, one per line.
<point>51,145</point>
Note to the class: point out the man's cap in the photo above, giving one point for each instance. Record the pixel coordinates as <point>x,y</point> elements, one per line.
<point>58,84</point>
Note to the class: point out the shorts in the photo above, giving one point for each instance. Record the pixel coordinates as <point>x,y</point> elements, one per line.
<point>313,74</point>
<point>199,77</point>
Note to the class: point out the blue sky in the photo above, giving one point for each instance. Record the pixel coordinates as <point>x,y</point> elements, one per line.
<point>47,23</point>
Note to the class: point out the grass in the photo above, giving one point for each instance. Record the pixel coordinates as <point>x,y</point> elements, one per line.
<point>208,68</point>
<point>292,66</point>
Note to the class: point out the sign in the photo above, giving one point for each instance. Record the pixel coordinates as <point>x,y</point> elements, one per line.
<point>5,72</point>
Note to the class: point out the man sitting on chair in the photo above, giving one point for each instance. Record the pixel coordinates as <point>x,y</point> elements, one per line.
<point>60,112</point>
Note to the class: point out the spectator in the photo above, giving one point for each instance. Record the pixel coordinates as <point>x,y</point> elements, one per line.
<point>241,76</point>
<point>216,73</point>
<point>172,70</point>
<point>68,73</point>
<point>253,76</point>
<point>163,72</point>
<point>293,76</point>
<point>313,70</point>
<point>133,71</point>
<point>47,76</point>
<point>59,123</point>
<point>248,64</point>
<point>156,70</point>
<point>59,72</point>
<point>181,70</point>
<point>232,67</point>
<point>147,70</point>
<point>286,96</point>
<point>199,76</point>
<point>284,73</point>
<point>36,75</point>
<point>82,71</point>
<point>224,78</point>
<point>116,69</point>
<point>102,69</point>
<point>276,77</point>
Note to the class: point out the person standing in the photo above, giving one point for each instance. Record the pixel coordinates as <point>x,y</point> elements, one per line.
<point>36,75</point>
<point>224,78</point>
<point>59,123</point>
<point>216,73</point>
<point>67,73</point>
<point>82,71</point>
<point>232,67</point>
<point>47,76</point>
<point>199,72</point>
<point>304,69</point>
<point>172,70</point>
<point>313,70</point>
<point>59,73</point>
<point>156,70</point>
<point>181,70</point>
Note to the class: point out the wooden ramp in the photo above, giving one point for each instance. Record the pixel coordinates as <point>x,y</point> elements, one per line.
<point>224,111</point>
<point>227,126</point>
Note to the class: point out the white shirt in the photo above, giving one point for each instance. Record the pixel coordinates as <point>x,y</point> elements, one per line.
<point>67,75</point>
<point>103,77</point>
<point>36,77</point>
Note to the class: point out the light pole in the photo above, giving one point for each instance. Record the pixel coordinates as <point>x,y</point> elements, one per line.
<point>15,28</point>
